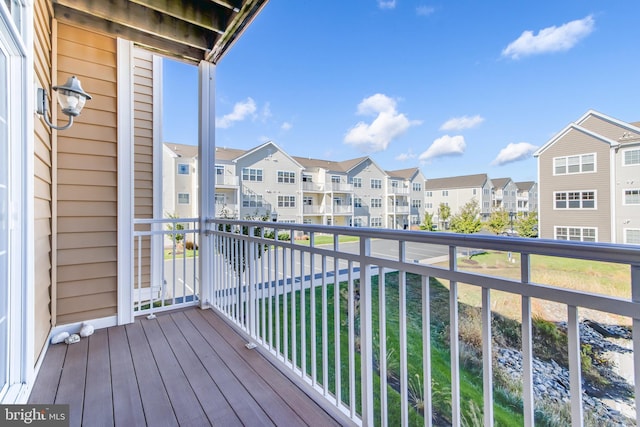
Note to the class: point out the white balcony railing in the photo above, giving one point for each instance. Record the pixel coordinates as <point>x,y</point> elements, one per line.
<point>227,180</point>
<point>166,264</point>
<point>341,187</point>
<point>398,190</point>
<point>342,209</point>
<point>283,295</point>
<point>313,209</point>
<point>312,186</point>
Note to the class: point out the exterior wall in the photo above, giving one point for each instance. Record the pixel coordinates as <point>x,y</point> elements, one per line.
<point>533,198</point>
<point>627,216</point>
<point>607,128</point>
<point>509,197</point>
<point>44,236</point>
<point>87,181</point>
<point>227,186</point>
<point>572,143</point>
<point>416,194</point>
<point>271,160</point>
<point>484,200</point>
<point>367,171</point>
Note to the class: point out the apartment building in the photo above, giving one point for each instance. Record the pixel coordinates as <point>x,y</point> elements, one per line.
<point>407,197</point>
<point>455,192</point>
<point>527,197</point>
<point>504,194</point>
<point>589,181</point>
<point>179,180</point>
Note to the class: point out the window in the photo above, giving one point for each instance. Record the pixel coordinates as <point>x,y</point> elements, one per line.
<point>219,170</point>
<point>473,191</point>
<point>632,236</point>
<point>575,200</point>
<point>250,174</point>
<point>307,178</point>
<point>376,222</point>
<point>357,202</point>
<point>632,197</point>
<point>376,203</point>
<point>445,193</point>
<point>417,186</point>
<point>578,234</point>
<point>183,198</point>
<point>429,193</point>
<point>252,201</point>
<point>357,182</point>
<point>416,203</point>
<point>486,206</point>
<point>429,206</point>
<point>220,198</point>
<point>335,179</point>
<point>286,201</point>
<point>574,164</point>
<point>376,183</point>
<point>395,184</point>
<point>307,201</point>
<point>286,177</point>
<point>357,222</point>
<point>631,157</point>
<point>183,169</point>
<point>485,191</point>
<point>414,219</point>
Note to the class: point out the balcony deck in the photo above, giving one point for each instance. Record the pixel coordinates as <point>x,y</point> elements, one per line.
<point>185,367</point>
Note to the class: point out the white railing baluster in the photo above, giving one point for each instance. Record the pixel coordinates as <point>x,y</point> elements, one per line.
<point>575,370</point>
<point>312,296</point>
<point>351,338</point>
<point>426,351</point>
<point>366,335</point>
<point>325,329</point>
<point>278,291</point>
<point>285,304</point>
<point>487,366</point>
<point>454,345</point>
<point>336,324</point>
<point>402,317</point>
<point>527,346</point>
<point>382,320</point>
<point>303,317</point>
<point>635,297</point>
<point>294,327</point>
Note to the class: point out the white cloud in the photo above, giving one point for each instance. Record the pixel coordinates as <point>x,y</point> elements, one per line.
<point>550,39</point>
<point>266,112</point>
<point>388,124</point>
<point>387,4</point>
<point>406,156</point>
<point>241,110</point>
<point>460,123</point>
<point>425,10</point>
<point>513,153</point>
<point>286,126</point>
<point>445,146</point>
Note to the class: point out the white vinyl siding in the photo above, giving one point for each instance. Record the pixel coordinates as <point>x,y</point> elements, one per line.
<point>582,163</point>
<point>579,234</point>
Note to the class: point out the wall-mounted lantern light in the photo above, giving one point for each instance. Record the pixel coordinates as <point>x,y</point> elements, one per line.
<point>71,98</point>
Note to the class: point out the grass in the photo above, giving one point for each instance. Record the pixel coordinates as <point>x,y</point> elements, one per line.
<point>326,240</point>
<point>190,253</point>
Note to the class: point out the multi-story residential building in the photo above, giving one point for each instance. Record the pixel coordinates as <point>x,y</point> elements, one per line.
<point>589,181</point>
<point>227,189</point>
<point>504,194</point>
<point>527,197</point>
<point>369,182</point>
<point>179,180</point>
<point>407,192</point>
<point>455,192</point>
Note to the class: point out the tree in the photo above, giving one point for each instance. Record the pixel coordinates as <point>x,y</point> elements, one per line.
<point>468,220</point>
<point>175,237</point>
<point>527,226</point>
<point>498,221</point>
<point>427,224</point>
<point>445,213</point>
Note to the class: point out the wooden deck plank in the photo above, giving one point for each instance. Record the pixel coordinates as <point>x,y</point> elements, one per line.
<point>269,399</point>
<point>296,398</point>
<point>155,402</point>
<point>98,403</point>
<point>127,404</point>
<point>183,399</point>
<point>46,384</point>
<point>211,399</point>
<point>250,413</point>
<point>72,381</point>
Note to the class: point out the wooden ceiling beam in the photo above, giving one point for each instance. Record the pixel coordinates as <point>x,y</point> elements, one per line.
<point>210,16</point>
<point>159,44</point>
<point>144,20</point>
<point>234,5</point>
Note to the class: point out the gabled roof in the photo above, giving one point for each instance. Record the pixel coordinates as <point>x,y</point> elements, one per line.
<point>266,145</point>
<point>194,30</point>
<point>500,182</point>
<point>182,150</point>
<point>408,174</point>
<point>466,181</point>
<point>330,165</point>
<point>569,128</point>
<point>524,185</point>
<point>224,153</point>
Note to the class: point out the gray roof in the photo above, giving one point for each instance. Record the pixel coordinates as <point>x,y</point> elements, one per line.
<point>525,185</point>
<point>500,182</point>
<point>224,153</point>
<point>330,165</point>
<point>403,173</point>
<point>466,181</point>
<point>182,150</point>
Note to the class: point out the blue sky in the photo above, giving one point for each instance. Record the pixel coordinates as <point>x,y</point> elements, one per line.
<point>455,87</point>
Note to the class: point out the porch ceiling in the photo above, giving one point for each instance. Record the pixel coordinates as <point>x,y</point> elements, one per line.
<point>193,30</point>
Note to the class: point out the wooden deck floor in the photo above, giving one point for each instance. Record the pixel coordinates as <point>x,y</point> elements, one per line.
<point>186,368</point>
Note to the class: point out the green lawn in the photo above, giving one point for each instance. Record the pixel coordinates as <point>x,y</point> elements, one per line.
<point>325,240</point>
<point>168,254</point>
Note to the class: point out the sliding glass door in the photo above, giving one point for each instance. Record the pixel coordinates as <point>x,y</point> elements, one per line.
<point>4,220</point>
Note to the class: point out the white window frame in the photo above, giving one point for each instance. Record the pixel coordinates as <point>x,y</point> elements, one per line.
<point>582,229</point>
<point>416,203</point>
<point>375,183</point>
<point>287,201</point>
<point>181,166</point>
<point>286,177</point>
<point>252,201</point>
<point>376,222</point>
<point>357,202</point>
<point>250,173</point>
<point>580,164</point>
<point>445,193</point>
<point>336,179</point>
<point>624,196</point>
<point>624,153</point>
<point>428,193</point>
<point>376,202</point>
<point>183,194</point>
<point>356,181</point>
<point>417,186</point>
<point>625,236</point>
<point>566,193</point>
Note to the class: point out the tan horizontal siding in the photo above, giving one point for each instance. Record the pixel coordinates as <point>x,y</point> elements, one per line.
<point>87,181</point>
<point>43,178</point>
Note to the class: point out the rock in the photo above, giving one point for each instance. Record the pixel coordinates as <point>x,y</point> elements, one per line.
<point>60,337</point>
<point>72,339</point>
<point>86,330</point>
